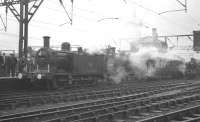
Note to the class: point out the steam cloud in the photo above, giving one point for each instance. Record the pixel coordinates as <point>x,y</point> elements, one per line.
<point>144,60</point>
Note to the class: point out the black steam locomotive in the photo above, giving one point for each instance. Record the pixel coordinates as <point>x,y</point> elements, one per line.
<point>58,68</point>
<point>55,68</point>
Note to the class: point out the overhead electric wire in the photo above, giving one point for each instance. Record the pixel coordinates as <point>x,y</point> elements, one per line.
<point>109,18</point>
<point>80,16</point>
<point>74,7</point>
<point>141,6</point>
<point>4,25</point>
<point>184,5</point>
<point>156,13</point>
<point>36,22</point>
<point>72,11</point>
<point>47,22</point>
<point>82,9</point>
<point>16,35</point>
<point>12,18</point>
<point>61,3</point>
<point>181,3</point>
<point>171,11</point>
<point>137,4</point>
<point>195,20</point>
<point>6,10</point>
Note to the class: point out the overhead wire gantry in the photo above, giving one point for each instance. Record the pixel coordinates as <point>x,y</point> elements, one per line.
<point>183,4</point>
<point>23,16</point>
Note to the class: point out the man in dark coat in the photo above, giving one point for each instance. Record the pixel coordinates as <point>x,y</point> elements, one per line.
<point>1,58</point>
<point>1,64</point>
<point>12,64</point>
<point>4,63</point>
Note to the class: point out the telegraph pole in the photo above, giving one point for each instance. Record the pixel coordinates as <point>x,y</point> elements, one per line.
<point>24,15</point>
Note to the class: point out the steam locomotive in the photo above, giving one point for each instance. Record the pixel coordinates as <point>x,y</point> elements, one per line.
<point>55,68</point>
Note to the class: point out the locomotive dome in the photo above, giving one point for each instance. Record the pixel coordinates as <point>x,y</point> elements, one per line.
<point>66,46</point>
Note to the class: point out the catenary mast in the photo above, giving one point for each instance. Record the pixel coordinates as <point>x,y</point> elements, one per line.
<point>23,16</point>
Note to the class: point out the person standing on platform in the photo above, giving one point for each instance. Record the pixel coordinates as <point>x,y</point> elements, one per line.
<point>13,64</point>
<point>8,65</point>
<point>1,64</point>
<point>4,67</point>
<point>23,63</point>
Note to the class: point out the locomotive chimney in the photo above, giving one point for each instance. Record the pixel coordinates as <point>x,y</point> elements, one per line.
<point>46,41</point>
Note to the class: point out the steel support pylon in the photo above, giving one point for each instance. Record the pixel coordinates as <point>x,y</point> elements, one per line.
<point>23,16</point>
<point>23,28</point>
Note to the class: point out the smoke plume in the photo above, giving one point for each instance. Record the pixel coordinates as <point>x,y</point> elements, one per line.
<point>146,58</point>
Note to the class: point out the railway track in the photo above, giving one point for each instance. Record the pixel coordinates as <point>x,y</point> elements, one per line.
<point>89,111</point>
<point>135,111</point>
<point>39,97</point>
<point>190,114</point>
<point>66,96</point>
<point>7,95</point>
<point>26,93</point>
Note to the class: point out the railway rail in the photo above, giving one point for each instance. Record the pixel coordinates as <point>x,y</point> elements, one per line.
<point>36,92</point>
<point>190,114</point>
<point>66,96</point>
<point>134,111</point>
<point>92,109</point>
<point>22,93</point>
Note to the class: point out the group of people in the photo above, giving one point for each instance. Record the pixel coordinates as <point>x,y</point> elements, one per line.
<point>8,65</point>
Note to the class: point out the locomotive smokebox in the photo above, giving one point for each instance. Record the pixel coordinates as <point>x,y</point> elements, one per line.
<point>66,46</point>
<point>46,41</point>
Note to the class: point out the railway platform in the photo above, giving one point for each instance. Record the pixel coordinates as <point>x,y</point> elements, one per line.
<point>12,83</point>
<point>7,78</point>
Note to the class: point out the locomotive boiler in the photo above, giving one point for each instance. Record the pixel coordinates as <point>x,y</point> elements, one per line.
<point>56,68</point>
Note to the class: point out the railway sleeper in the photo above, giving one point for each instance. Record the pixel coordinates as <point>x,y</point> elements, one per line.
<point>66,98</point>
<point>154,108</point>
<point>137,111</point>
<point>191,114</point>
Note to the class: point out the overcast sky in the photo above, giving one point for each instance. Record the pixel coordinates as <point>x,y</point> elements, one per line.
<point>135,19</point>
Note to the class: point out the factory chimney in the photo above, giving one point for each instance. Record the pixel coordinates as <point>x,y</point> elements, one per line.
<point>46,41</point>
